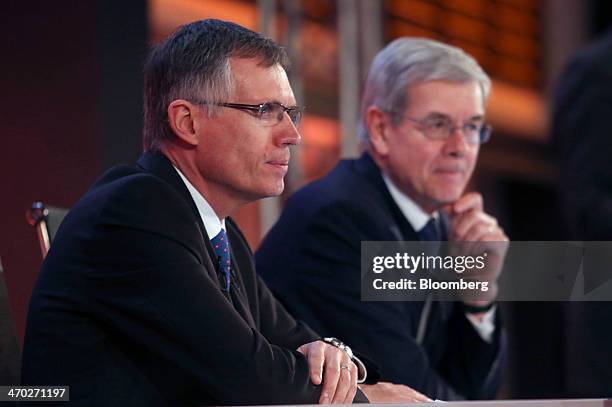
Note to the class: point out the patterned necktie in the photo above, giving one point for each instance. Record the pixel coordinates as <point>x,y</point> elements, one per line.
<point>221,246</point>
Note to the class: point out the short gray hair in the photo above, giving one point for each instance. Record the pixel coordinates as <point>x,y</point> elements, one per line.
<point>408,61</point>
<point>193,64</point>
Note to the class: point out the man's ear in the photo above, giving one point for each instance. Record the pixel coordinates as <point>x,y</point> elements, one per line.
<point>181,119</point>
<point>378,125</point>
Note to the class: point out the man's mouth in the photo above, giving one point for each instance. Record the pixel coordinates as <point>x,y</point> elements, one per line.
<point>449,171</point>
<point>280,163</point>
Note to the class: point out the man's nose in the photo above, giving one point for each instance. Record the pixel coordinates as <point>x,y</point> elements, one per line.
<point>456,144</point>
<point>289,134</point>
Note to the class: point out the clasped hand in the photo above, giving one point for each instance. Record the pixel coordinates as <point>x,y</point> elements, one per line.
<point>474,231</point>
<point>332,368</point>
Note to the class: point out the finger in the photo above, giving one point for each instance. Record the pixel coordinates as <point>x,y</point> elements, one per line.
<point>463,222</point>
<point>487,239</point>
<point>500,236</point>
<point>480,231</point>
<point>473,218</point>
<point>471,200</point>
<point>316,359</point>
<point>350,395</point>
<point>331,373</point>
<point>420,397</point>
<point>344,381</point>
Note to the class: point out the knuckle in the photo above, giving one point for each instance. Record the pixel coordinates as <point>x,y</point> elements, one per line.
<point>334,369</point>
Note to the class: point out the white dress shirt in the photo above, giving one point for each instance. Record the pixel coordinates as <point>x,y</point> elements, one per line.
<point>418,218</point>
<point>212,223</point>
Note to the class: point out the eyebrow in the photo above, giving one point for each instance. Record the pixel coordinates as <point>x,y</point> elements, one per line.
<point>444,115</point>
<point>475,118</point>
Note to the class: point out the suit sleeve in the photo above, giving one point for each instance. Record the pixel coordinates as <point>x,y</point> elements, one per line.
<point>473,365</point>
<point>276,324</point>
<point>150,287</point>
<point>327,263</point>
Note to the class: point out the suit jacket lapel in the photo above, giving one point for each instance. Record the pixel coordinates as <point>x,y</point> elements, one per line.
<point>402,230</point>
<point>399,228</point>
<point>157,164</point>
<point>238,296</point>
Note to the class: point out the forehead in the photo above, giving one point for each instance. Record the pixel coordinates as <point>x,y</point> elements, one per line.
<point>254,83</point>
<point>455,99</point>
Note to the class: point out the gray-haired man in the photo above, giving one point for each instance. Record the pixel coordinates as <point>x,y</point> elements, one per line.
<point>422,124</point>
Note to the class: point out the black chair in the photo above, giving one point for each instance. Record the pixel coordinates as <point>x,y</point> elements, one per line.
<point>46,220</point>
<point>10,355</point>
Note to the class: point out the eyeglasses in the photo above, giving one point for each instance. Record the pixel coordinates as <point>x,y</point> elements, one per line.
<point>442,127</point>
<point>268,112</point>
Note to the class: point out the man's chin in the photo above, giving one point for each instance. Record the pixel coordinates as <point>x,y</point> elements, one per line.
<point>272,192</point>
<point>447,198</point>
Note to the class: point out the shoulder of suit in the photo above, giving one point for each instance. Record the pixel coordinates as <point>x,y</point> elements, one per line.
<point>341,186</point>
<point>129,194</point>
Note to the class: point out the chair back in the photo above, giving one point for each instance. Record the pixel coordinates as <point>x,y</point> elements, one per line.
<point>46,220</point>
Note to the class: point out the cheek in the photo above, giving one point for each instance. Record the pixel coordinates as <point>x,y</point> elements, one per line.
<point>423,161</point>
<point>410,162</point>
<point>472,158</point>
<point>246,161</point>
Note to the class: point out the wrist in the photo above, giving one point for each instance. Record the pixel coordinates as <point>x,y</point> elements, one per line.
<point>363,373</point>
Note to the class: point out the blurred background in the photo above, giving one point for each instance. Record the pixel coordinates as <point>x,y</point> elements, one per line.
<point>71,107</point>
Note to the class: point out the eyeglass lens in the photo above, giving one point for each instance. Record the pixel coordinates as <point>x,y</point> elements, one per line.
<point>276,111</point>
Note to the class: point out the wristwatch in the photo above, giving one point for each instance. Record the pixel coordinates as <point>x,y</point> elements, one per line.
<point>363,373</point>
<point>340,345</point>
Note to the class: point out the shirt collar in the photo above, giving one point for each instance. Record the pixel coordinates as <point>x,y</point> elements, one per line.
<point>212,223</point>
<point>415,215</point>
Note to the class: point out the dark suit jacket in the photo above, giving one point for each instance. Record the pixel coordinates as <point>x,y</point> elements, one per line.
<point>311,260</point>
<point>128,307</point>
<point>580,133</point>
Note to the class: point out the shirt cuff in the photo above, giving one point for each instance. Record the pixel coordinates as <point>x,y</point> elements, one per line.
<point>486,326</point>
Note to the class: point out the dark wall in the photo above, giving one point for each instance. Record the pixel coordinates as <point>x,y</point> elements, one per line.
<point>600,16</point>
<point>71,107</point>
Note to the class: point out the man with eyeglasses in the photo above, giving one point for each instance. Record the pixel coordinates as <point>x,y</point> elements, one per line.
<point>148,295</point>
<point>422,125</point>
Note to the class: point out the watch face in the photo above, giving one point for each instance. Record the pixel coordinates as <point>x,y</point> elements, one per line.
<point>333,341</point>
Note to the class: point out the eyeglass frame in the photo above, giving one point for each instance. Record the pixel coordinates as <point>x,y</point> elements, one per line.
<point>258,109</point>
<point>484,134</point>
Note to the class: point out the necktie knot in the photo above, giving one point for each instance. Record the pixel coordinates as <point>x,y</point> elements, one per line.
<point>220,244</point>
